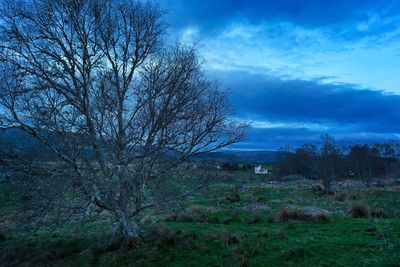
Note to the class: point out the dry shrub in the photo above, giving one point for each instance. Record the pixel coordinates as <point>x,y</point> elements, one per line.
<point>378,213</point>
<point>359,210</point>
<point>233,195</point>
<point>286,214</point>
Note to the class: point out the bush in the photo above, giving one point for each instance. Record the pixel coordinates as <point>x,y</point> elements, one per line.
<point>233,195</point>
<point>359,210</point>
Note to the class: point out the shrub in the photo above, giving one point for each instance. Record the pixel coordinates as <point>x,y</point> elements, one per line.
<point>286,214</point>
<point>359,210</point>
<point>233,195</point>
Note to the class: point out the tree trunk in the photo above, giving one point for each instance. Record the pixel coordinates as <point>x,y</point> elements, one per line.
<point>129,229</point>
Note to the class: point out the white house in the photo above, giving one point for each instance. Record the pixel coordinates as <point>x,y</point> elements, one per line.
<point>260,170</point>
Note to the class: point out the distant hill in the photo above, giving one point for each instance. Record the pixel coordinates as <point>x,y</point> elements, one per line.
<point>239,156</point>
<point>23,142</point>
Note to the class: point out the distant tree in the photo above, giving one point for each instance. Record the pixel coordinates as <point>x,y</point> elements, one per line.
<point>329,161</point>
<point>361,161</point>
<point>284,159</point>
<point>306,160</point>
<point>388,152</point>
<point>120,110</point>
<point>302,161</point>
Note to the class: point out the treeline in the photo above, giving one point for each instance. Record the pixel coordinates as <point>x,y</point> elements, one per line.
<point>229,166</point>
<point>330,161</point>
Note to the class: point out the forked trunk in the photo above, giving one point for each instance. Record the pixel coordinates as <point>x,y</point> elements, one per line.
<point>129,230</point>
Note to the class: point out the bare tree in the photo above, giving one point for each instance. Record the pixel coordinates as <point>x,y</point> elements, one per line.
<point>94,82</point>
<point>329,162</point>
<point>361,160</point>
<point>388,152</point>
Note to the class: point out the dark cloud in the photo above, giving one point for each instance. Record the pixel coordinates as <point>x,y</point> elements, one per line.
<point>348,111</point>
<point>293,100</point>
<point>300,110</point>
<point>211,14</point>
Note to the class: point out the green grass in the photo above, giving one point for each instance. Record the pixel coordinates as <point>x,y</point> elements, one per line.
<point>341,241</point>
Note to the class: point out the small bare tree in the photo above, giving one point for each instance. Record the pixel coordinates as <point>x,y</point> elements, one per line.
<point>329,162</point>
<point>93,81</point>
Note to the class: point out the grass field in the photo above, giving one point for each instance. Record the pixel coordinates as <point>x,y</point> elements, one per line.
<point>209,231</point>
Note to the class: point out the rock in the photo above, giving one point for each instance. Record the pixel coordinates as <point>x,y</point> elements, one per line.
<point>310,213</point>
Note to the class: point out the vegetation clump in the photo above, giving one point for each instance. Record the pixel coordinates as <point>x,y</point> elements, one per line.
<point>233,195</point>
<point>359,210</point>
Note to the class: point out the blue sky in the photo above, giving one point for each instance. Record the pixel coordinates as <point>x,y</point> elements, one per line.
<point>298,69</point>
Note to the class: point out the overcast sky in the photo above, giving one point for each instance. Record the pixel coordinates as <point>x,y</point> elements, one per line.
<point>299,69</point>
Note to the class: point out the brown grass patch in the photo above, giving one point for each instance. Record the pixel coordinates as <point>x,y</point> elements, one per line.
<point>378,213</point>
